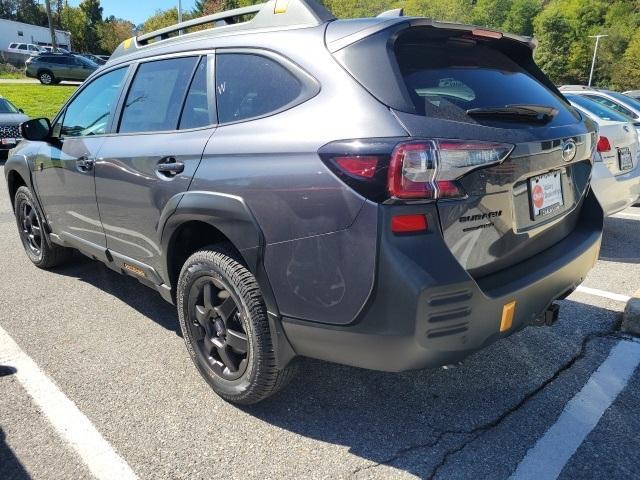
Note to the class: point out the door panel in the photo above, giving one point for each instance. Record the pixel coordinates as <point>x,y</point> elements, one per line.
<point>65,183</point>
<point>132,191</point>
<point>64,170</point>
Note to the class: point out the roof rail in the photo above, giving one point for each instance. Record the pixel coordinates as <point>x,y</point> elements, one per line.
<point>396,12</point>
<point>222,17</point>
<point>272,14</point>
<point>576,87</point>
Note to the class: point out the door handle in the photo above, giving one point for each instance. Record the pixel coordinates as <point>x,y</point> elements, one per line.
<point>170,167</point>
<point>84,164</point>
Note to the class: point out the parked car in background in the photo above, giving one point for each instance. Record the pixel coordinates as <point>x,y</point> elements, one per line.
<point>24,48</point>
<point>47,49</point>
<point>633,94</point>
<point>628,106</point>
<point>94,58</point>
<point>616,175</point>
<point>390,215</point>
<point>52,68</point>
<point>104,57</point>
<point>10,119</point>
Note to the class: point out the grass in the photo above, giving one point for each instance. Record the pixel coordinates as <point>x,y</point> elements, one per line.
<point>37,100</point>
<point>12,75</point>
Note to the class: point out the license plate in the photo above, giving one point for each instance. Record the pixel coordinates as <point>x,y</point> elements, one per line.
<point>546,193</point>
<point>625,159</point>
<point>8,141</point>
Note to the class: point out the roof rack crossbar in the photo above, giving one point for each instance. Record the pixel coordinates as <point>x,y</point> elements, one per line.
<point>216,17</point>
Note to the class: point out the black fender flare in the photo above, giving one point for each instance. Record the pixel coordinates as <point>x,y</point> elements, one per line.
<point>231,216</point>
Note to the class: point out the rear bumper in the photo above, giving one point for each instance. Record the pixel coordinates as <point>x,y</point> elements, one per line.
<point>615,193</point>
<point>426,311</point>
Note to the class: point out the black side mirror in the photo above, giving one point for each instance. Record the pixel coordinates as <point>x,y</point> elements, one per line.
<point>21,110</point>
<point>38,129</point>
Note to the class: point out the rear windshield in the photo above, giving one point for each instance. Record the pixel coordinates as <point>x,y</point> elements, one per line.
<point>625,99</point>
<point>447,77</point>
<point>597,109</point>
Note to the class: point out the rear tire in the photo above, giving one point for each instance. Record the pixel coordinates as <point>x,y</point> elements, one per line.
<point>37,245</point>
<point>224,324</point>
<point>46,77</point>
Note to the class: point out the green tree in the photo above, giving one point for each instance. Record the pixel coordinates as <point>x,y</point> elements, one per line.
<point>160,19</point>
<point>93,19</point>
<point>491,13</point>
<point>450,10</point>
<point>626,75</point>
<point>73,20</point>
<point>8,9</point>
<point>113,31</point>
<point>521,16</point>
<point>554,35</point>
<point>30,11</point>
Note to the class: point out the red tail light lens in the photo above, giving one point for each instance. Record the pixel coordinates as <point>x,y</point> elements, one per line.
<point>358,166</point>
<point>429,169</point>
<point>604,145</point>
<point>416,170</point>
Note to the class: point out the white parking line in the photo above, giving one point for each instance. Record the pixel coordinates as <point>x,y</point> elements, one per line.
<point>603,293</point>
<point>555,448</point>
<point>630,215</point>
<point>70,423</point>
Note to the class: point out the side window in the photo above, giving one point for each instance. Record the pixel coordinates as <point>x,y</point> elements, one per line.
<point>89,112</point>
<point>196,112</point>
<point>22,46</point>
<point>13,45</point>
<point>250,86</point>
<point>155,98</point>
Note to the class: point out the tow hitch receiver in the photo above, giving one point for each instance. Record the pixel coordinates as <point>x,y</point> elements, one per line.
<point>549,317</point>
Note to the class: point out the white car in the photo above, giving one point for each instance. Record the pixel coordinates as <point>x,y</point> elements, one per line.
<point>621,103</point>
<point>24,48</point>
<point>616,176</point>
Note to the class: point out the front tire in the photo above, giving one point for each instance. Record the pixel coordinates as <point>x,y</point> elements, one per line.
<point>224,324</point>
<point>39,249</point>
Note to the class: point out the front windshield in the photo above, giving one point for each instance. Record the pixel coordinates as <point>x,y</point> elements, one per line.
<point>7,107</point>
<point>597,109</point>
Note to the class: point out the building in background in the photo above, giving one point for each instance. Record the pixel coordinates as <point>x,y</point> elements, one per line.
<point>18,32</point>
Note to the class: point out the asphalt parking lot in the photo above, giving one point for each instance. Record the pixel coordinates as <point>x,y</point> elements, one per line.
<point>548,402</point>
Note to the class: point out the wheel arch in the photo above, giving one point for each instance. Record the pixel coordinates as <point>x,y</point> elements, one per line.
<point>205,218</point>
<point>17,174</point>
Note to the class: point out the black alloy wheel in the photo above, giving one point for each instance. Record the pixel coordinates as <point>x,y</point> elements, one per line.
<point>31,232</point>
<point>218,328</point>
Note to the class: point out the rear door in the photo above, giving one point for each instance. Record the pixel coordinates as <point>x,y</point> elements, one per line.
<point>165,122</point>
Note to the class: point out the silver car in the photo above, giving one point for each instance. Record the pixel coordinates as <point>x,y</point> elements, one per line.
<point>615,179</point>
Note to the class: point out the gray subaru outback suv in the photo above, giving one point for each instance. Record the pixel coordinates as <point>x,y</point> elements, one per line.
<point>391,193</point>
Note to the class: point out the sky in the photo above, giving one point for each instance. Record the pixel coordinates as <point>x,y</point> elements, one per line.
<point>136,11</point>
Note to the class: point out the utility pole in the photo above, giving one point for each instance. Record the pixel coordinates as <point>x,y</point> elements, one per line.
<point>595,52</point>
<point>179,11</point>
<point>54,44</point>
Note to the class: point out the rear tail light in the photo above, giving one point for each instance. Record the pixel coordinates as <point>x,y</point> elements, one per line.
<point>604,145</point>
<point>430,169</point>
<point>416,170</point>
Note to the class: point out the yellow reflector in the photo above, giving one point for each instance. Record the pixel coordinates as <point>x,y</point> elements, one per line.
<point>281,6</point>
<point>507,316</point>
<point>127,42</point>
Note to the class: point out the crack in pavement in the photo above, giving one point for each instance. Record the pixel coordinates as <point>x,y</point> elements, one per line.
<point>476,432</point>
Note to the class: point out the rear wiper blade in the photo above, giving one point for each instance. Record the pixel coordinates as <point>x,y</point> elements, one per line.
<point>524,112</point>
